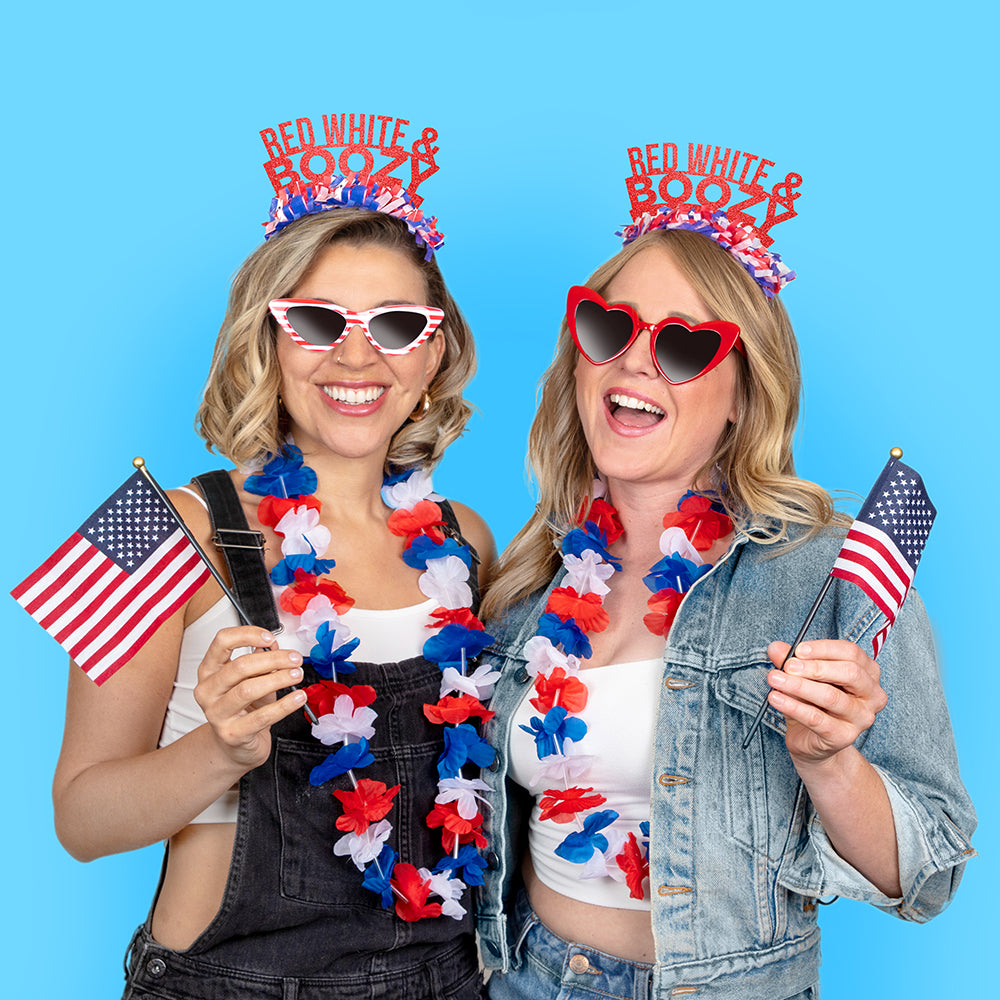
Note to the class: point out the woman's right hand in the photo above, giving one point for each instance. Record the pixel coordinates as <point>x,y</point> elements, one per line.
<point>238,694</point>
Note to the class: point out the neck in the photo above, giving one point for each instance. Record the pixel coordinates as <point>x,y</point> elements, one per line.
<point>640,509</point>
<point>350,485</point>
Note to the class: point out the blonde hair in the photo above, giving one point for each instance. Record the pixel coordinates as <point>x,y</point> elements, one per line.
<point>752,466</point>
<point>240,415</point>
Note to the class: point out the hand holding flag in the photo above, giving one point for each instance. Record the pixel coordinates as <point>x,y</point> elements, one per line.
<point>881,551</point>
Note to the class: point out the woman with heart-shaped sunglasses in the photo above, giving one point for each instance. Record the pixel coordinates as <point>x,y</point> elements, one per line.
<point>662,859</point>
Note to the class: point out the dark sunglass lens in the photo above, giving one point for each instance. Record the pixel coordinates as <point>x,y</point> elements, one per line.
<point>398,329</point>
<point>317,326</point>
<point>683,354</point>
<point>601,333</point>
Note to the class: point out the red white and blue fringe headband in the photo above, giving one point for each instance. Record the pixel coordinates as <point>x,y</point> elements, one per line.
<point>342,182</point>
<point>712,174</point>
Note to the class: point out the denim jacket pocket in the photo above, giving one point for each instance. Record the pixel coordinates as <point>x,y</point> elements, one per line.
<point>761,789</point>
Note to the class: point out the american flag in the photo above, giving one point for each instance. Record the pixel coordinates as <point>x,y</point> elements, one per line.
<point>107,588</point>
<point>886,540</point>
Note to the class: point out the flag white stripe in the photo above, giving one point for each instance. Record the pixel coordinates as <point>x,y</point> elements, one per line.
<point>894,562</point>
<point>55,574</point>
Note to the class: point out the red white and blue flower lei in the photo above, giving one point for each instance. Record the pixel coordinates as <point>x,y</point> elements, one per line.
<point>763,265</point>
<point>343,711</point>
<point>296,200</point>
<point>554,657</point>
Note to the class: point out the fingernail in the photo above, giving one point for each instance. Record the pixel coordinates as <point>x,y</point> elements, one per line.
<point>294,656</point>
<point>299,696</point>
<point>267,637</point>
<point>803,650</point>
<point>777,677</point>
<point>296,674</point>
<point>793,667</point>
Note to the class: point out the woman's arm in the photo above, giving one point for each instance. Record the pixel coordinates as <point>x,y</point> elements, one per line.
<point>829,694</point>
<point>114,789</point>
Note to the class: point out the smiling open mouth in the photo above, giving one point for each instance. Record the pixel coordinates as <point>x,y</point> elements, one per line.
<point>356,397</point>
<point>633,412</point>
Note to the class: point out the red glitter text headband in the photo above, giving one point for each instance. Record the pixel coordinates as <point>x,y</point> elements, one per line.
<point>316,171</point>
<point>663,196</point>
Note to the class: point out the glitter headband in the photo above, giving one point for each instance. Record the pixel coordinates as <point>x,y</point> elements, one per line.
<point>303,191</point>
<point>733,229</point>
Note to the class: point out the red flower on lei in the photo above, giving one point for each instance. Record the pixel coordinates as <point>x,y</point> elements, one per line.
<point>445,815</point>
<point>559,688</point>
<point>369,802</point>
<point>453,710</point>
<point>663,607</point>
<point>423,518</point>
<point>321,696</point>
<point>272,509</point>
<point>561,806</point>
<point>604,516</point>
<point>635,866</point>
<point>587,610</point>
<point>414,891</point>
<point>455,616</point>
<point>296,596</point>
<point>702,525</point>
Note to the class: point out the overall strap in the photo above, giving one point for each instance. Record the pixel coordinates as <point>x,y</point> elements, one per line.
<point>242,549</point>
<point>452,528</point>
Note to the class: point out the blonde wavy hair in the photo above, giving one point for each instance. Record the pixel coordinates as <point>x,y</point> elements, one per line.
<point>240,416</point>
<point>752,466</point>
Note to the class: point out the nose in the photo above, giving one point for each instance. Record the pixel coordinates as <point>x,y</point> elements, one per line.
<point>638,359</point>
<point>354,351</point>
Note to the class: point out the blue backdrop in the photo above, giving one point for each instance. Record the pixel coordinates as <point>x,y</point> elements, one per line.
<point>134,188</point>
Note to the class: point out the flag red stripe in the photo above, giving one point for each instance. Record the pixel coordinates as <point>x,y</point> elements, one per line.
<point>62,573</point>
<point>873,538</point>
<point>84,598</point>
<point>865,585</point>
<point>889,589</point>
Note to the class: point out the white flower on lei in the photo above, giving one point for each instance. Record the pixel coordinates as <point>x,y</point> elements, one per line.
<point>449,889</point>
<point>673,542</point>
<point>446,582</point>
<point>365,847</point>
<point>303,532</point>
<point>416,487</point>
<point>565,767</point>
<point>345,721</point>
<point>463,791</point>
<point>318,611</point>
<point>479,683</point>
<point>586,574</point>
<point>542,656</point>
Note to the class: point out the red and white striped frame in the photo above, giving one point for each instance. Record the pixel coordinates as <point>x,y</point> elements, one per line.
<point>432,317</point>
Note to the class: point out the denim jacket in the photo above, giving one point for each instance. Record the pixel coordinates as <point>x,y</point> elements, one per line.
<point>738,856</point>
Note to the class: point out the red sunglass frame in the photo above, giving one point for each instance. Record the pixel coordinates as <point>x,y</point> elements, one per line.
<point>729,333</point>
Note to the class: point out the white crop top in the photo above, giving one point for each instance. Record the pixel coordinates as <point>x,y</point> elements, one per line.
<point>620,717</point>
<point>386,636</point>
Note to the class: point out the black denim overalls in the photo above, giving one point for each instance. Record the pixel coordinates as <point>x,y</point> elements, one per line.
<point>295,922</point>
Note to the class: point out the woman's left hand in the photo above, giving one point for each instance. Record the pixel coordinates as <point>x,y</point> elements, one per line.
<point>829,694</point>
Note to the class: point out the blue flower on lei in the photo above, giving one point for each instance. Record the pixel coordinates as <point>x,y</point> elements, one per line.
<point>574,640</point>
<point>445,648</point>
<point>347,758</point>
<point>326,658</point>
<point>283,573</point>
<point>579,846</point>
<point>378,873</point>
<point>588,538</point>
<point>283,475</point>
<point>674,573</point>
<point>468,865</point>
<point>557,726</point>
<point>424,548</point>
<point>461,744</point>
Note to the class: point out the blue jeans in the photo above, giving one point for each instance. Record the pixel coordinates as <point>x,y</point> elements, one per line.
<point>546,967</point>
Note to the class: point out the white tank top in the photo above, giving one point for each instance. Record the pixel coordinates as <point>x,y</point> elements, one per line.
<point>386,636</point>
<point>620,717</point>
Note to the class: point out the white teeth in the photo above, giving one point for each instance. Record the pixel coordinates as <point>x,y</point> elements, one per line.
<point>636,404</point>
<point>354,396</point>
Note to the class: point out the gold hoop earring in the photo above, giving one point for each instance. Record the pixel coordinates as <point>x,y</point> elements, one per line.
<point>423,405</point>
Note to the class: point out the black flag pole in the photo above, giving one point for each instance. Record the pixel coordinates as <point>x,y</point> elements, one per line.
<point>140,464</point>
